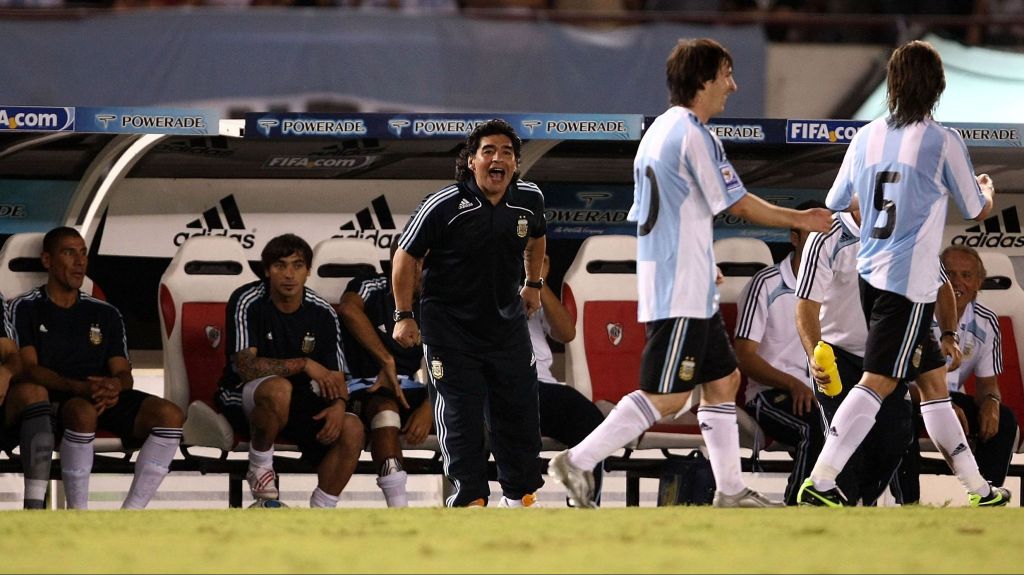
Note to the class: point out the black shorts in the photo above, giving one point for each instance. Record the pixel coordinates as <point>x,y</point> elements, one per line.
<point>119,419</point>
<point>682,353</point>
<point>900,343</point>
<point>301,427</point>
<point>357,402</point>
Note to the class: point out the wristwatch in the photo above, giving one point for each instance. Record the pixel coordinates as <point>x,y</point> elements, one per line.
<point>956,336</point>
<point>400,315</point>
<point>536,285</point>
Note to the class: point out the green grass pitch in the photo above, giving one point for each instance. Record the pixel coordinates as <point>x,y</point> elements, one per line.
<point>637,540</point>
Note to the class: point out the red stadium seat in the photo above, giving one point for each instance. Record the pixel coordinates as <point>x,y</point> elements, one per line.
<point>194,291</point>
<point>1003,294</point>
<point>600,291</point>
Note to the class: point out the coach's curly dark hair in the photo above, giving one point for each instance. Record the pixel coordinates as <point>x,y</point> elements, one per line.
<point>915,80</point>
<point>488,128</point>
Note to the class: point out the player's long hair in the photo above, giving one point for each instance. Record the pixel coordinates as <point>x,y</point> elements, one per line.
<point>691,63</point>
<point>915,82</point>
<point>489,128</point>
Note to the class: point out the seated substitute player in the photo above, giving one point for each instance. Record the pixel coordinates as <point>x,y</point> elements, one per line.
<point>74,346</point>
<point>383,390</point>
<point>27,409</point>
<point>989,423</point>
<point>779,394</point>
<point>286,374</point>
<point>566,415</point>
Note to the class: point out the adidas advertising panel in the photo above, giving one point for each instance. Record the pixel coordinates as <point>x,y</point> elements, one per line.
<point>1000,231</point>
<point>147,219</point>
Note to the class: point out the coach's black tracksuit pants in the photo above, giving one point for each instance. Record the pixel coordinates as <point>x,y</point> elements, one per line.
<point>494,392</point>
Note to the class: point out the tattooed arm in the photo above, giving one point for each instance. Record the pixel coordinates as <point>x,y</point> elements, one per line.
<point>249,366</point>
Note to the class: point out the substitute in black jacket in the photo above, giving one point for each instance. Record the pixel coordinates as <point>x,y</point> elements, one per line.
<point>474,238</point>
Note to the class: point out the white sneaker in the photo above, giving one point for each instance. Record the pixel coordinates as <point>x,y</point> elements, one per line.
<point>578,482</point>
<point>746,498</point>
<point>262,482</point>
<point>267,504</point>
<point>528,500</point>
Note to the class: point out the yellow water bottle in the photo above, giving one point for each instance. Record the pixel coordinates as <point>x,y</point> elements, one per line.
<point>826,358</point>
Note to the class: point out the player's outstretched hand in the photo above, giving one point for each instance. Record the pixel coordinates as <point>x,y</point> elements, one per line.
<point>816,220</point>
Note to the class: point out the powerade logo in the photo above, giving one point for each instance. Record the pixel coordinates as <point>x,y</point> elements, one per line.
<point>821,131</point>
<point>737,132</point>
<point>31,119</point>
<point>992,233</point>
<point>317,127</point>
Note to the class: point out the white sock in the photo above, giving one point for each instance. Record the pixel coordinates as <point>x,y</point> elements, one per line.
<point>850,425</point>
<point>944,428</point>
<point>722,436</point>
<point>633,415</point>
<point>261,458</point>
<point>36,452</point>
<point>321,499</point>
<point>35,489</point>
<point>152,465</point>
<point>76,451</point>
<point>393,486</point>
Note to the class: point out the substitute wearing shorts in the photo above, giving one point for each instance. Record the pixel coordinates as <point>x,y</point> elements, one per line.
<point>313,331</point>
<point>379,307</point>
<point>77,343</point>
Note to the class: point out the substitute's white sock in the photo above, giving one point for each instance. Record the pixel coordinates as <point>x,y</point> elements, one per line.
<point>944,428</point>
<point>261,459</point>
<point>152,466</point>
<point>722,436</point>
<point>633,415</point>
<point>321,499</point>
<point>851,424</point>
<point>393,486</point>
<point>76,453</point>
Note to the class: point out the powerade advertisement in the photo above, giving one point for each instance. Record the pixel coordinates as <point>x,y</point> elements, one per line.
<point>185,121</point>
<point>33,205</point>
<point>575,211</point>
<point>417,126</point>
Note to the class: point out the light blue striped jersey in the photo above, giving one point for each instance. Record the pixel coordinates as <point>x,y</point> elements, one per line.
<point>901,178</point>
<point>681,180</point>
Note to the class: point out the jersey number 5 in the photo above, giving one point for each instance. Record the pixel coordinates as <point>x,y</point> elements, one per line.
<point>882,205</point>
<point>652,212</point>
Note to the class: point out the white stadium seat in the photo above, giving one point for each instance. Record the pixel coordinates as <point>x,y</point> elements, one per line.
<point>336,261</point>
<point>739,259</point>
<point>21,267</point>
